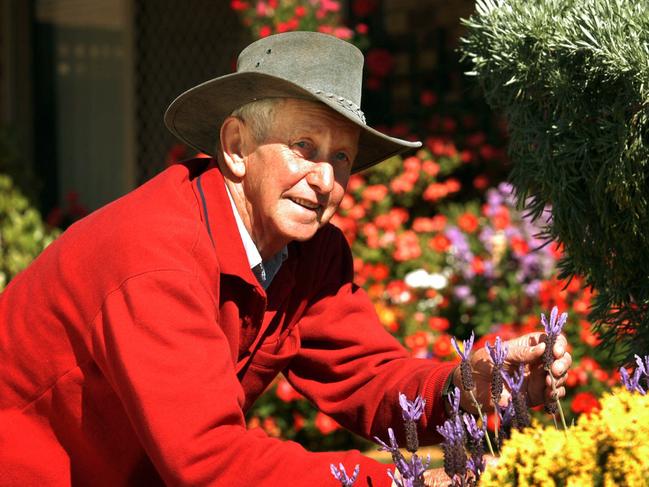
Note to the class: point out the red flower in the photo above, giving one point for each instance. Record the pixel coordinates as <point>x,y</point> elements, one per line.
<point>298,422</point>
<point>361,29</point>
<point>440,243</point>
<point>468,222</point>
<point>481,182</point>
<point>442,346</point>
<point>285,391</point>
<point>519,246</point>
<point>374,193</point>
<point>477,265</point>
<point>437,323</point>
<point>585,402</point>
<point>363,8</point>
<point>325,424</point>
<point>431,168</point>
<point>435,191</point>
<point>427,98</point>
<point>379,62</point>
<point>417,341</point>
<point>300,11</point>
<point>501,219</point>
<point>407,246</point>
<point>238,5</point>
<point>265,31</point>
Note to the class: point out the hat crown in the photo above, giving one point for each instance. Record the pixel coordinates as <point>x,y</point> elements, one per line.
<point>323,64</point>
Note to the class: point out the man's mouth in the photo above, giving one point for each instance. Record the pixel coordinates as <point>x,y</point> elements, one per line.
<point>310,205</point>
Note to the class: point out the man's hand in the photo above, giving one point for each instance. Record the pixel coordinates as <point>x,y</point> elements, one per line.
<point>527,349</point>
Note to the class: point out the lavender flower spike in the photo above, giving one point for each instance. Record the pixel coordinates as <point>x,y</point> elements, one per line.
<point>554,327</point>
<point>552,331</point>
<point>498,352</point>
<point>468,345</point>
<point>340,475</point>
<point>515,383</point>
<point>643,365</point>
<point>632,383</point>
<point>454,402</point>
<point>411,410</point>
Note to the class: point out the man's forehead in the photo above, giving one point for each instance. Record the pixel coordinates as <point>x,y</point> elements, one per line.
<point>312,114</point>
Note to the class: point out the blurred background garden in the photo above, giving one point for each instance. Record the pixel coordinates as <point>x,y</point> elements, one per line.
<point>439,244</point>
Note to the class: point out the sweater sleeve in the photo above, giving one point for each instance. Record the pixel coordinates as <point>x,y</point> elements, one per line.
<point>158,343</point>
<point>350,366</point>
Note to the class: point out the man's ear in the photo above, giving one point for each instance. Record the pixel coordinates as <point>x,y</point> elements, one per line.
<point>232,142</point>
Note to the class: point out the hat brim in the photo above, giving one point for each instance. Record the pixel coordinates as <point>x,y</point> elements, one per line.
<point>195,117</point>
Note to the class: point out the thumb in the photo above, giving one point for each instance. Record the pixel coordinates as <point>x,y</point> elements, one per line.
<point>523,352</point>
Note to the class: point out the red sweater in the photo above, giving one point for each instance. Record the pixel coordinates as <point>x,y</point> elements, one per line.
<point>132,348</point>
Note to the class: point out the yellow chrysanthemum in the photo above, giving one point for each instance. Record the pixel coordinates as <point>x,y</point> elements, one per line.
<point>608,448</point>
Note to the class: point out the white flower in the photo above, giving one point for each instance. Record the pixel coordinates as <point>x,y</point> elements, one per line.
<point>422,279</point>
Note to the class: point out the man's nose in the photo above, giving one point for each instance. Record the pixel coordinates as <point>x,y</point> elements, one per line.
<point>321,176</point>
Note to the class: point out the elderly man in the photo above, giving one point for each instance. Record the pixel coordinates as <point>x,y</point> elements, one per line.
<point>134,345</point>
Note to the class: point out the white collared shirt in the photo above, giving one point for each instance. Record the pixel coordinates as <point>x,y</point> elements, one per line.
<point>264,271</point>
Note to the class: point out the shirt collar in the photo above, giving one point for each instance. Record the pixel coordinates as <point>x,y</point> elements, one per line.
<point>264,271</point>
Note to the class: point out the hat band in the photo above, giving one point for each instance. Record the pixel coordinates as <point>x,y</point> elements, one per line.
<point>343,102</point>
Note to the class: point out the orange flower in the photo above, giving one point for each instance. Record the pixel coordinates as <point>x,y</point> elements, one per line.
<point>417,341</point>
<point>501,219</point>
<point>468,222</point>
<point>477,265</point>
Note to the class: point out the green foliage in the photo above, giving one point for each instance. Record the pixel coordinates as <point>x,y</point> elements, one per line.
<point>571,78</point>
<point>23,235</point>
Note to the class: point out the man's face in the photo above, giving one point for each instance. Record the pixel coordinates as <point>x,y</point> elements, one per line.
<point>296,178</point>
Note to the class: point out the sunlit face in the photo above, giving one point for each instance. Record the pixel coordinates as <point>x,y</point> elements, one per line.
<point>295,179</point>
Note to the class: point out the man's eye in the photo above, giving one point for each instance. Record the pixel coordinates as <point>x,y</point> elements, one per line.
<point>302,144</point>
<point>342,156</point>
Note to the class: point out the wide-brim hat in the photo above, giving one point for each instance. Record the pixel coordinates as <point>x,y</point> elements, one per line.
<point>305,65</point>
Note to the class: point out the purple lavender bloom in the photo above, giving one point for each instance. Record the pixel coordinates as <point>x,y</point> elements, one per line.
<point>454,401</point>
<point>468,345</point>
<point>515,380</point>
<point>552,331</point>
<point>632,383</point>
<point>554,327</point>
<point>397,457</point>
<point>498,352</point>
<point>506,414</point>
<point>411,410</point>
<point>475,432</point>
<point>644,366</point>
<point>340,475</point>
<point>476,465</point>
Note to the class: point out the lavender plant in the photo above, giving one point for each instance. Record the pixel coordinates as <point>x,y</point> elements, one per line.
<point>633,382</point>
<point>466,372</point>
<point>498,353</point>
<point>462,446</point>
<point>552,331</point>
<point>407,473</point>
<point>514,381</point>
<point>341,475</point>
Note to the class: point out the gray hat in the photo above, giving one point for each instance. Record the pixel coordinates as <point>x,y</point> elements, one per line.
<point>305,65</point>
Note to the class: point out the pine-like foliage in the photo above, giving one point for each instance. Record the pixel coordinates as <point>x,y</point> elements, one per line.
<point>572,79</point>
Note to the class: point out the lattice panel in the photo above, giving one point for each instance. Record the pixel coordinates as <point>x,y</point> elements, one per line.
<point>179,44</point>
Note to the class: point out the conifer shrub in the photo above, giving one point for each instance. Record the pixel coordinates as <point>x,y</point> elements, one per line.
<point>571,79</point>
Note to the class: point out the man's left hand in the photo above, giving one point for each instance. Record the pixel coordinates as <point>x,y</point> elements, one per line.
<point>528,350</point>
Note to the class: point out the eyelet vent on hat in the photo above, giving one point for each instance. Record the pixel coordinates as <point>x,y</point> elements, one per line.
<point>348,105</point>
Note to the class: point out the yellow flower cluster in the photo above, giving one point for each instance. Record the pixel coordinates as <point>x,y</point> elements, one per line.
<point>608,448</point>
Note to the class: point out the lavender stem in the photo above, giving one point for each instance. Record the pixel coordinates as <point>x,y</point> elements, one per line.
<point>477,406</point>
